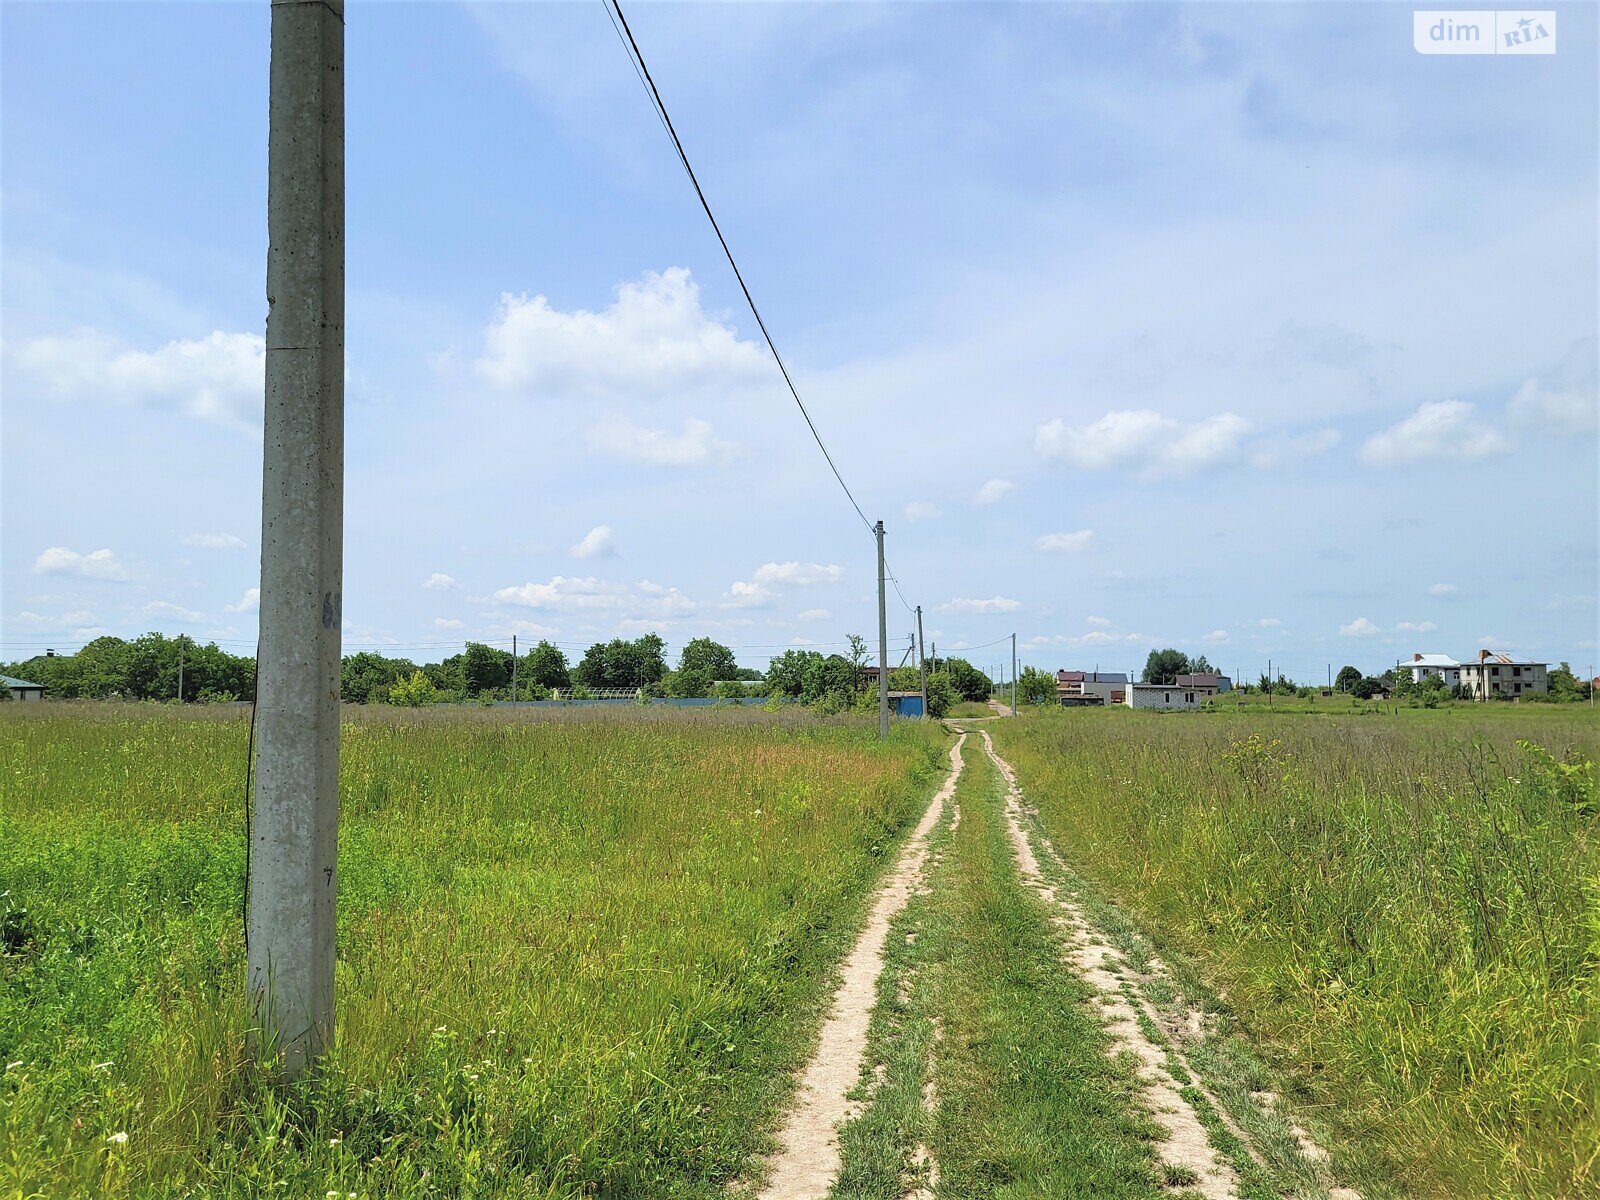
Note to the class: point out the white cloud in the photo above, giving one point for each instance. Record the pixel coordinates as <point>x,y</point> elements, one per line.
<point>439,582</point>
<point>1270,623</point>
<point>1443,590</point>
<point>165,608</point>
<point>816,614</point>
<point>97,564</point>
<point>922,510</point>
<point>1566,398</point>
<point>449,623</point>
<point>995,604</point>
<point>249,602</point>
<point>597,543</point>
<point>1360,627</point>
<point>33,620</point>
<point>1439,429</point>
<point>1216,637</point>
<point>654,337</point>
<point>798,573</point>
<point>213,541</point>
<point>573,594</point>
<point>1415,627</point>
<point>217,378</point>
<point>620,437</point>
<point>994,491</point>
<point>1098,622</point>
<point>1065,543</point>
<point>1144,443</point>
<point>742,594</point>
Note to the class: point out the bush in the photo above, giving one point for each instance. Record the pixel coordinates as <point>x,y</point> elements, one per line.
<point>414,692</point>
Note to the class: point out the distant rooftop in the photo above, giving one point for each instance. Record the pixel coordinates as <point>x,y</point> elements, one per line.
<point>1431,660</point>
<point>11,682</point>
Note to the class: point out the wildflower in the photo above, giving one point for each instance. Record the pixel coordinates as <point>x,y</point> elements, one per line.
<point>11,1065</point>
<point>103,1066</point>
<point>119,1138</point>
<point>331,1194</point>
<point>334,1141</point>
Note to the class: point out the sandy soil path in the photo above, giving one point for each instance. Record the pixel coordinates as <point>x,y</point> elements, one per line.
<point>1185,1146</point>
<point>807,1161</point>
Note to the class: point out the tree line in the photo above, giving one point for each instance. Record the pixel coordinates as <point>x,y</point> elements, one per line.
<point>148,668</point>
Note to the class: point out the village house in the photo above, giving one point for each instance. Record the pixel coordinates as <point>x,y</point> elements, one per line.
<point>1423,665</point>
<point>1205,681</point>
<point>21,689</point>
<point>1167,696</point>
<point>1077,688</point>
<point>1491,675</point>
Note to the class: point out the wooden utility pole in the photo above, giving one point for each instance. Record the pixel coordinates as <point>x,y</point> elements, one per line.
<point>294,834</point>
<point>883,641</point>
<point>922,662</point>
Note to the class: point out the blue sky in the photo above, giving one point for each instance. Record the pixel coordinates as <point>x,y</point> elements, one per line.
<point>1237,327</point>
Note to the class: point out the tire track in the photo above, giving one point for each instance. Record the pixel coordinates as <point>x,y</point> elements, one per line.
<point>807,1161</point>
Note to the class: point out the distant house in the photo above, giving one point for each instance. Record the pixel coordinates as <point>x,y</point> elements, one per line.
<point>1491,675</point>
<point>1207,681</point>
<point>1167,696</point>
<point>1423,665</point>
<point>21,689</point>
<point>1076,688</point>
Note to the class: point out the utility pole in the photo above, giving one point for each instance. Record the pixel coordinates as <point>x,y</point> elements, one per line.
<point>922,663</point>
<point>1013,674</point>
<point>883,641</point>
<point>513,668</point>
<point>1272,683</point>
<point>180,668</point>
<point>293,844</point>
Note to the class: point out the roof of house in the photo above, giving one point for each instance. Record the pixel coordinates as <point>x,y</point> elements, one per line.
<point>1200,679</point>
<point>12,682</point>
<point>1431,660</point>
<point>1503,660</point>
<point>1091,677</point>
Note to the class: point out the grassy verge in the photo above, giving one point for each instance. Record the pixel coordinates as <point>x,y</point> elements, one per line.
<point>1404,913</point>
<point>579,953</point>
<point>1029,1104</point>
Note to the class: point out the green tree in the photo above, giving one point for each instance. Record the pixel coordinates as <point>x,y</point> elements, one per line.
<point>941,695</point>
<point>969,682</point>
<point>1366,688</point>
<point>787,672</point>
<point>365,677</point>
<point>414,692</point>
<point>712,659</point>
<point>544,666</point>
<point>483,668</point>
<point>1347,679</point>
<point>1164,666</point>
<point>1564,685</point>
<point>1200,665</point>
<point>1035,686</point>
<point>622,664</point>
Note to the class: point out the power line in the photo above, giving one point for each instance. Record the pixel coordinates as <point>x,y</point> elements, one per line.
<point>641,68</point>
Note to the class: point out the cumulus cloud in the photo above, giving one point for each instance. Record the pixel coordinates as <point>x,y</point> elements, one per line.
<point>798,573</point>
<point>165,608</point>
<point>1415,627</point>
<point>1443,591</point>
<point>816,614</point>
<point>922,510</point>
<point>439,582</point>
<point>745,594</point>
<point>1565,399</point>
<point>97,564</point>
<point>1360,627</point>
<point>449,623</point>
<point>564,593</point>
<point>1098,622</point>
<point>1439,429</point>
<point>995,604</point>
<point>1270,623</point>
<point>597,543</point>
<point>1144,443</point>
<point>217,378</point>
<point>994,491</point>
<point>654,337</point>
<point>249,602</point>
<point>213,541</point>
<point>1065,543</point>
<point>1216,637</point>
<point>623,438</point>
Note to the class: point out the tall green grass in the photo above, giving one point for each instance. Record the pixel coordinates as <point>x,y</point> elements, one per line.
<point>578,952</point>
<point>1406,908</point>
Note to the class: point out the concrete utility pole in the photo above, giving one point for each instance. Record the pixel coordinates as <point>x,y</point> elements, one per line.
<point>293,885</point>
<point>513,668</point>
<point>883,642</point>
<point>1013,674</point>
<point>180,668</point>
<point>922,662</point>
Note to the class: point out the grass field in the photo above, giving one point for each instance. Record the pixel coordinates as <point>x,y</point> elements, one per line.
<point>1403,909</point>
<point>580,953</point>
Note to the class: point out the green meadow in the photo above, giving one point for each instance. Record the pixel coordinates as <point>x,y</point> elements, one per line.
<point>579,953</point>
<point>1401,907</point>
